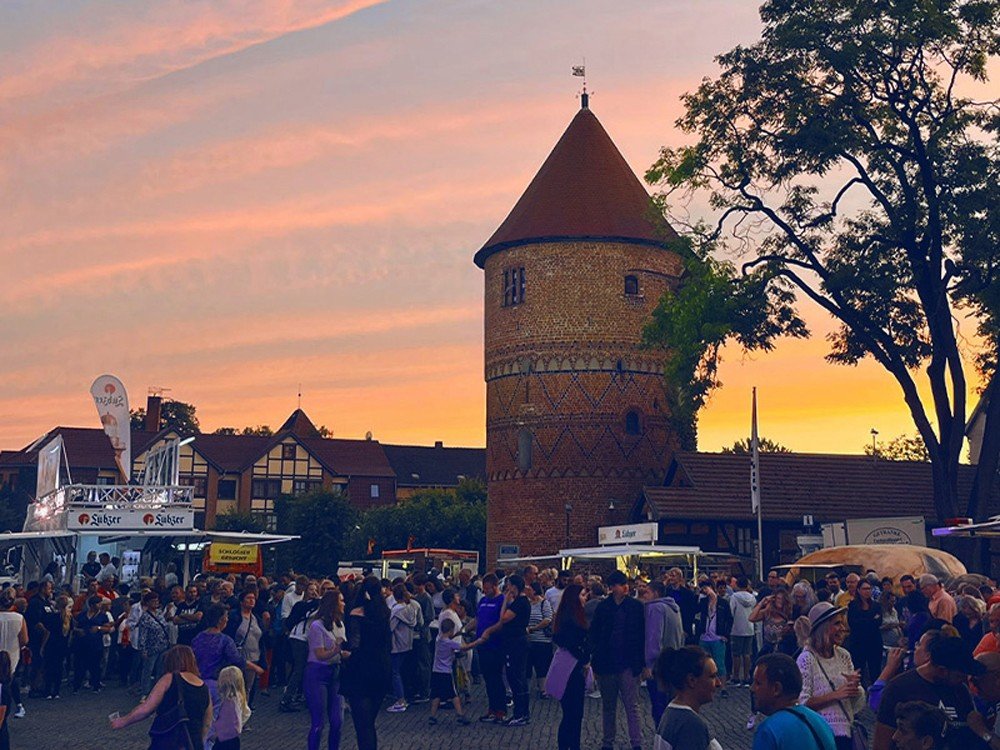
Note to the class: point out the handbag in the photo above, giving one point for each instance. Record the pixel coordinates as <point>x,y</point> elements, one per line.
<point>859,735</point>
<point>169,730</point>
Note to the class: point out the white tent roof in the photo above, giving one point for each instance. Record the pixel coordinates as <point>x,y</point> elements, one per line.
<point>610,552</point>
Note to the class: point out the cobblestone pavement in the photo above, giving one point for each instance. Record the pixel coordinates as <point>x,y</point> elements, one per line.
<point>79,722</point>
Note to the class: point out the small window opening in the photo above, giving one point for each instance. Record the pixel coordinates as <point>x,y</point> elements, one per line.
<point>632,285</point>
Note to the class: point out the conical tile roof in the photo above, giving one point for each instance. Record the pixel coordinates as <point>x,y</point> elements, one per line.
<point>584,190</point>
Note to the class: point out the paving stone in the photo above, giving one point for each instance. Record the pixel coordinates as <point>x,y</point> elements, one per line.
<point>79,722</point>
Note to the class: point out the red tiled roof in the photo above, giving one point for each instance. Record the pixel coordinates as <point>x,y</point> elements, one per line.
<point>351,457</point>
<point>830,487</point>
<point>231,452</point>
<point>86,447</point>
<point>299,424</point>
<point>436,466</point>
<point>584,190</point>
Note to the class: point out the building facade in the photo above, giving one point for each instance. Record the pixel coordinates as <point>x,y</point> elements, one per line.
<point>248,473</point>
<point>576,413</point>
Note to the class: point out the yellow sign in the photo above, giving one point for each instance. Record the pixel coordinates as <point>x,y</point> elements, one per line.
<point>232,554</point>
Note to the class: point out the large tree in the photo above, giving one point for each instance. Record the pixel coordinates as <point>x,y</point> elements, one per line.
<point>851,153</point>
<point>177,415</point>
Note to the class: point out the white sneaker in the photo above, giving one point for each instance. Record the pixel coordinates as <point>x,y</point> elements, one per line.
<point>19,714</point>
<point>396,708</point>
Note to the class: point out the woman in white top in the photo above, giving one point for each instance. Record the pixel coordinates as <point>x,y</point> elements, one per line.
<point>13,637</point>
<point>325,636</point>
<point>830,684</point>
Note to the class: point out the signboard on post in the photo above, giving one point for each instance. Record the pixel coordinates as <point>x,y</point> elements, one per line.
<point>629,533</point>
<point>130,520</point>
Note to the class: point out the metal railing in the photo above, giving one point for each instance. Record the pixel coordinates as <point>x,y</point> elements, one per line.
<point>116,496</point>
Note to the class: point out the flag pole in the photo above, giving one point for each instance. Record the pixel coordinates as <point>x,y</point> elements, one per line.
<point>755,483</point>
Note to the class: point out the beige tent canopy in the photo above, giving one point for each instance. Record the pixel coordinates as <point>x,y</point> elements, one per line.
<point>891,560</point>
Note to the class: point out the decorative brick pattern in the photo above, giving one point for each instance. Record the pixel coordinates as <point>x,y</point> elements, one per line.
<point>562,370</point>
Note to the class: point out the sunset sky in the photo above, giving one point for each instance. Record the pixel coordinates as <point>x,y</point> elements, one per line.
<point>229,198</point>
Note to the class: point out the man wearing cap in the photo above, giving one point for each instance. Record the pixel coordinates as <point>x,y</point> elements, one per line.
<point>941,682</point>
<point>940,602</point>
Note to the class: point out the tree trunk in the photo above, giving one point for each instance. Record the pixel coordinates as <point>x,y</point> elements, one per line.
<point>989,456</point>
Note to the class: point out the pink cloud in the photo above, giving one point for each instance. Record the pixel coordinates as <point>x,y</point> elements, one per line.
<point>168,37</point>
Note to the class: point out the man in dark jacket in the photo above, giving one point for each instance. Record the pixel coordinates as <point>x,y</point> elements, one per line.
<point>618,643</point>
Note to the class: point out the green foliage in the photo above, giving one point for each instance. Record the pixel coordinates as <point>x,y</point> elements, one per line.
<point>841,154</point>
<point>434,518</point>
<point>233,520</point>
<point>742,447</point>
<point>713,305</point>
<point>13,508</point>
<point>900,448</point>
<point>324,521</point>
<point>176,415</point>
<point>261,430</point>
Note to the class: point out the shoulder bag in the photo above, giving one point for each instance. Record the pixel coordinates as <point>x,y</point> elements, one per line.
<point>169,730</point>
<point>859,735</point>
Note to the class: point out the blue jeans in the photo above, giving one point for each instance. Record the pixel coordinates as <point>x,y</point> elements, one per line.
<point>397,675</point>
<point>150,672</point>
<point>323,700</point>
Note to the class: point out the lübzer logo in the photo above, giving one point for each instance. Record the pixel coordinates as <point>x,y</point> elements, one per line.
<point>100,519</point>
<point>84,519</point>
<point>165,519</point>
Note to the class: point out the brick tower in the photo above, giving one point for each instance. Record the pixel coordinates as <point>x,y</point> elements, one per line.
<point>575,409</point>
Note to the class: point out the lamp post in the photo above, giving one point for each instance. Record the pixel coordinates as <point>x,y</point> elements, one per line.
<point>569,509</point>
<point>874,434</point>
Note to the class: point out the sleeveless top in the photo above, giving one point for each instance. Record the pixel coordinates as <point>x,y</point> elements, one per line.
<point>196,701</point>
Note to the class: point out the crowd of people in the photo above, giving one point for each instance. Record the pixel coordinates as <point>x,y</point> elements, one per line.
<point>811,656</point>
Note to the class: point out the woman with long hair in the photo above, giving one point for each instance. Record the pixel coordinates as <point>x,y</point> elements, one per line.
<point>970,622</point>
<point>569,633</point>
<point>830,684</point>
<point>864,618</point>
<point>180,673</point>
<point>326,636</point>
<point>366,671</point>
<point>234,711</point>
<point>774,612</point>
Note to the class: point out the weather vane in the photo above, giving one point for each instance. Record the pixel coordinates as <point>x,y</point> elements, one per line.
<point>581,72</point>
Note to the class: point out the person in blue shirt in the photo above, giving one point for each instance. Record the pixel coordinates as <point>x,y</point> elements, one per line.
<point>777,683</point>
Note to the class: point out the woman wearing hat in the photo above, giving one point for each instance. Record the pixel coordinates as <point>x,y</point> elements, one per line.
<point>830,684</point>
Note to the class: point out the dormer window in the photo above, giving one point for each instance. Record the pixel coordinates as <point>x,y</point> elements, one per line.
<point>633,425</point>
<point>632,286</point>
<point>513,286</point>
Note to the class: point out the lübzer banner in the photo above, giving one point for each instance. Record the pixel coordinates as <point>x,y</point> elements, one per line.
<point>131,520</point>
<point>49,463</point>
<point>111,401</point>
<point>627,534</point>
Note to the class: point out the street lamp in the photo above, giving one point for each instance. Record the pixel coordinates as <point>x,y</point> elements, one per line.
<point>874,434</point>
<point>569,509</point>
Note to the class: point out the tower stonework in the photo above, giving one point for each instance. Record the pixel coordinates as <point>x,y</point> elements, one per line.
<point>576,411</point>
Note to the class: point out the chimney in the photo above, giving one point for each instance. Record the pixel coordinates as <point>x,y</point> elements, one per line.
<point>439,444</point>
<point>153,412</point>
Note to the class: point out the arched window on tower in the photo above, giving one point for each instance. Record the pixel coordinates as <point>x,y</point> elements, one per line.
<point>632,285</point>
<point>524,439</point>
<point>632,423</point>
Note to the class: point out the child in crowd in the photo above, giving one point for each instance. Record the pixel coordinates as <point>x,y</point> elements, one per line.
<point>234,712</point>
<point>442,680</point>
